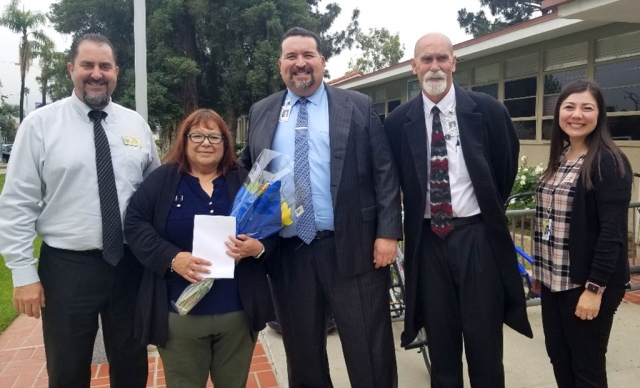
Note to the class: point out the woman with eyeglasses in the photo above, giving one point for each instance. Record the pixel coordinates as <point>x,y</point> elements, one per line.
<point>200,176</point>
<point>580,251</point>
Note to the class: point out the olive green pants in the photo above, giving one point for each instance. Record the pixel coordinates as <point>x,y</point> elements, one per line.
<point>199,345</point>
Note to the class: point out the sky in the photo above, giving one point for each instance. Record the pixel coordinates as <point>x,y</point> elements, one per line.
<point>409,18</point>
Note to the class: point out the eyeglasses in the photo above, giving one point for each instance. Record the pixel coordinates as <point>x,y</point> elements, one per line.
<point>198,138</point>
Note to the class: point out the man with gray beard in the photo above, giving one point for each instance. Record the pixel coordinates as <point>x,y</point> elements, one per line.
<point>336,255</point>
<point>457,157</point>
<point>74,166</point>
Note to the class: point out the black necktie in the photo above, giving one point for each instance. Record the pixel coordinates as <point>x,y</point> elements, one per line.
<point>112,242</point>
<point>440,192</point>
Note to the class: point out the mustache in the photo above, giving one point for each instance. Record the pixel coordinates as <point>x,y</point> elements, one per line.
<point>101,81</point>
<point>435,75</point>
<point>296,70</point>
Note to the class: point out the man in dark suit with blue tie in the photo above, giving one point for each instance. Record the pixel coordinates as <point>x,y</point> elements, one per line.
<point>335,256</point>
<point>457,158</point>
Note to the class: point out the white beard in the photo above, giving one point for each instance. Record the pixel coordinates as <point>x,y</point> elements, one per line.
<point>437,87</point>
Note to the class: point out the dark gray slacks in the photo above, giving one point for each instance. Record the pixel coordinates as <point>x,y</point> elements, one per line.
<point>577,349</point>
<point>461,303</point>
<point>79,286</point>
<point>306,289</point>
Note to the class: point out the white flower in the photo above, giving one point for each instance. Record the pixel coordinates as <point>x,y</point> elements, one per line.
<point>523,177</point>
<point>524,158</point>
<point>539,169</point>
<point>526,169</point>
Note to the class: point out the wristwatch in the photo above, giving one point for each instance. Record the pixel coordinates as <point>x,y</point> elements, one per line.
<point>592,287</point>
<point>261,253</point>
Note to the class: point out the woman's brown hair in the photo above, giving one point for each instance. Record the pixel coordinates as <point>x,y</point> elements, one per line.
<point>599,139</point>
<point>209,119</point>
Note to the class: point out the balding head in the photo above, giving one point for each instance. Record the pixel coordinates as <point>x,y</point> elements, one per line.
<point>433,38</point>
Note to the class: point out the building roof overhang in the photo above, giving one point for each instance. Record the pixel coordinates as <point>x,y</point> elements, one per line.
<point>568,17</point>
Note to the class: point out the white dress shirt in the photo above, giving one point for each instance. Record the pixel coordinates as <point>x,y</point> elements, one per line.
<point>463,198</point>
<point>51,186</point>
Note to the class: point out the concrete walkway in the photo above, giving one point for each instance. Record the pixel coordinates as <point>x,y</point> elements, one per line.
<point>525,360</point>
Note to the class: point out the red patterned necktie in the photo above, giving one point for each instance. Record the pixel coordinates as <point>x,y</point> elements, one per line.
<point>440,191</point>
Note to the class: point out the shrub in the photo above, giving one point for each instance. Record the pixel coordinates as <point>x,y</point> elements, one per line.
<point>526,181</point>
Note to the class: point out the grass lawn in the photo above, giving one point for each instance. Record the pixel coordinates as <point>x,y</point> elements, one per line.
<point>7,313</point>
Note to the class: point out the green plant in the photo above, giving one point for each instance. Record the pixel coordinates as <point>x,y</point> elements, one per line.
<point>526,181</point>
<point>239,146</point>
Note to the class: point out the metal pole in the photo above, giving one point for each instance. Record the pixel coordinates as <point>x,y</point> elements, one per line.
<point>140,39</point>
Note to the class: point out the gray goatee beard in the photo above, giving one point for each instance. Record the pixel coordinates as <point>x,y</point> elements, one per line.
<point>96,101</point>
<point>435,88</point>
<point>302,85</point>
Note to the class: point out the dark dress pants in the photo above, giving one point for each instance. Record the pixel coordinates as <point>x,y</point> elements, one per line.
<point>577,349</point>
<point>460,295</point>
<point>79,286</point>
<point>306,288</point>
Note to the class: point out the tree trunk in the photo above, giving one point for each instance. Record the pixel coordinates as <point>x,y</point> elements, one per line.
<point>232,123</point>
<point>44,93</point>
<point>22,77</point>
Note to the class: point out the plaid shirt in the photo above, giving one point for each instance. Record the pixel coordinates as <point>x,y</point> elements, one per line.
<point>554,199</point>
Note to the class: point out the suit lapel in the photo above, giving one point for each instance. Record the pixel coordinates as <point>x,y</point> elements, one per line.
<point>340,110</point>
<point>270,118</point>
<point>415,131</point>
<point>471,132</point>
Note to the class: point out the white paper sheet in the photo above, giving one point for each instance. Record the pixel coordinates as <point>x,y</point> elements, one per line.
<point>209,235</point>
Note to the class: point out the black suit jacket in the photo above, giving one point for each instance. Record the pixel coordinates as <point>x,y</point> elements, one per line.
<point>599,223</point>
<point>144,228</point>
<point>490,147</point>
<point>364,182</point>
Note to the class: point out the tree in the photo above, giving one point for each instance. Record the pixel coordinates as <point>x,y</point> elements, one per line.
<point>46,53</point>
<point>26,23</point>
<point>219,54</point>
<point>7,121</point>
<point>505,13</point>
<point>59,85</point>
<point>379,48</point>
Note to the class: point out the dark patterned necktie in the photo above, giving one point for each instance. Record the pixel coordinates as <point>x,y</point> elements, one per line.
<point>440,191</point>
<point>305,223</point>
<point>112,241</point>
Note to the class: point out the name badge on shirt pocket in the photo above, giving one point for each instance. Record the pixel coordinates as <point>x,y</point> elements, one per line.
<point>132,141</point>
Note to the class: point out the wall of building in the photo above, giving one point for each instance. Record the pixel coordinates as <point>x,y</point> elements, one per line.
<point>528,80</point>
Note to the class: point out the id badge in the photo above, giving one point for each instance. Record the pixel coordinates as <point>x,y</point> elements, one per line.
<point>546,229</point>
<point>285,112</point>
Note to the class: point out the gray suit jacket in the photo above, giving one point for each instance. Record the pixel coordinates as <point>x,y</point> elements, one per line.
<point>364,182</point>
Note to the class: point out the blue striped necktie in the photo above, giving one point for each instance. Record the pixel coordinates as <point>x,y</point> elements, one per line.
<point>112,240</point>
<point>305,223</point>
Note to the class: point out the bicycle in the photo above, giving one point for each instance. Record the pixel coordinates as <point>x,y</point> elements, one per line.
<point>396,299</point>
<point>524,275</point>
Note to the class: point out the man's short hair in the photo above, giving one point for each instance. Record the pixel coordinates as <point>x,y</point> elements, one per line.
<point>91,37</point>
<point>299,31</point>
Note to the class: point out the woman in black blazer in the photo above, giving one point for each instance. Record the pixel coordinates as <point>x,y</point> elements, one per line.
<point>580,256</point>
<point>217,337</point>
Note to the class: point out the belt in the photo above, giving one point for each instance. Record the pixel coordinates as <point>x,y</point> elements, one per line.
<point>323,234</point>
<point>319,236</point>
<point>459,222</point>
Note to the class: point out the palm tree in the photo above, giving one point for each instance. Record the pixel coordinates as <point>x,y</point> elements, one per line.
<point>25,23</point>
<point>47,54</point>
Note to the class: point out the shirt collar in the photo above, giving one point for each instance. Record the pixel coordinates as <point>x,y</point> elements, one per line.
<point>83,109</point>
<point>316,98</point>
<point>446,105</point>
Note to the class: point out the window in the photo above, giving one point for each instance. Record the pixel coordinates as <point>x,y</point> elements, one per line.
<point>620,84</point>
<point>485,79</point>
<point>520,100</point>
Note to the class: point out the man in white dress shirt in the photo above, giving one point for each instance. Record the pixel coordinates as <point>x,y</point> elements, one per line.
<point>457,157</point>
<point>74,166</point>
